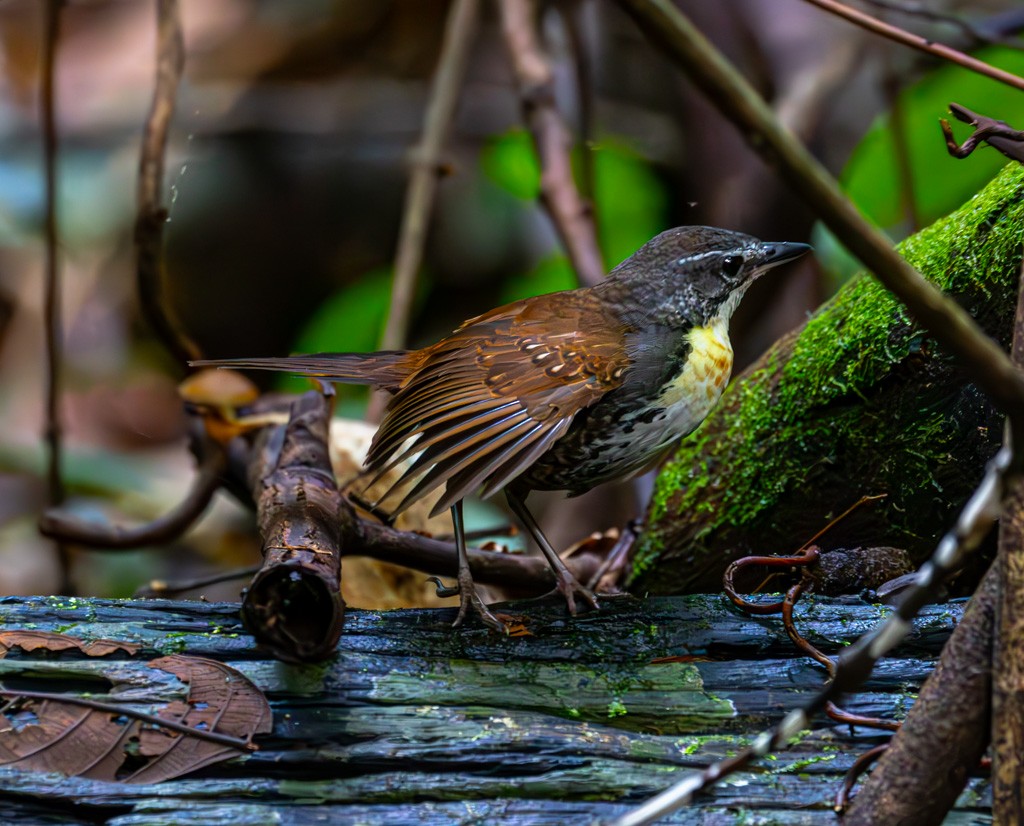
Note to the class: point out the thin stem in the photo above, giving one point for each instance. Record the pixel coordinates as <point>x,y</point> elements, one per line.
<point>164,529</point>
<point>571,215</point>
<point>126,711</point>
<point>52,291</point>
<point>152,215</point>
<point>915,41</point>
<point>427,167</point>
<point>924,12</point>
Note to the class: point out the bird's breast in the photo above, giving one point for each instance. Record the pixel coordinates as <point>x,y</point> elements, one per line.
<point>699,384</point>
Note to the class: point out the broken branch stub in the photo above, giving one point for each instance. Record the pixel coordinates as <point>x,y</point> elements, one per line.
<point>294,606</point>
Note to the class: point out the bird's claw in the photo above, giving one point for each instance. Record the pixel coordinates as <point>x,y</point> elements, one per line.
<point>570,587</point>
<point>468,598</point>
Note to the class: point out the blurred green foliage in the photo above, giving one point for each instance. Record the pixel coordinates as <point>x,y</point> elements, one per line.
<point>630,202</point>
<point>939,182</point>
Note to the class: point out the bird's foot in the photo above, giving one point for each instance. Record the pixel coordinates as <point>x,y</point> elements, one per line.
<point>570,588</point>
<point>469,598</point>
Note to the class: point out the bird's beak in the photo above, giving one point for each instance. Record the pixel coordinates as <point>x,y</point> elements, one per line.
<point>781,252</point>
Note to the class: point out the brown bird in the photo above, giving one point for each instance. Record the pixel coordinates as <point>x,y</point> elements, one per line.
<point>561,391</point>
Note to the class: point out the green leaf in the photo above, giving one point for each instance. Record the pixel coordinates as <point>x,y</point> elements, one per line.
<point>630,201</point>
<point>510,162</point>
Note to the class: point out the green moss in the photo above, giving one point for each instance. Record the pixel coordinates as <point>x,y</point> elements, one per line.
<point>773,421</point>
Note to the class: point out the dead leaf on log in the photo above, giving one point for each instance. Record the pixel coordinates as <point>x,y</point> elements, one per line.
<point>77,736</point>
<point>35,640</point>
<point>220,699</point>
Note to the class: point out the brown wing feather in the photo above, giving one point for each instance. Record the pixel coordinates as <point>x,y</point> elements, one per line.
<point>386,368</point>
<point>484,403</point>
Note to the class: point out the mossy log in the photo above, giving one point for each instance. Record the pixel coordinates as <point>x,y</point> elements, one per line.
<point>856,402</point>
<point>414,722</point>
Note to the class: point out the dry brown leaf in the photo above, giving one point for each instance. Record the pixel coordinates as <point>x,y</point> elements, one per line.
<point>220,699</point>
<point>35,640</point>
<point>108,744</point>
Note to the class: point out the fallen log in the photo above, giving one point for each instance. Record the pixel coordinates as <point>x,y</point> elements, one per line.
<point>414,722</point>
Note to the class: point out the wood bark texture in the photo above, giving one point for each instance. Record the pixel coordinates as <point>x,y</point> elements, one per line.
<point>412,722</point>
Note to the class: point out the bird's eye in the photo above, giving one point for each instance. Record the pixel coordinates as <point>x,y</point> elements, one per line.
<point>732,264</point>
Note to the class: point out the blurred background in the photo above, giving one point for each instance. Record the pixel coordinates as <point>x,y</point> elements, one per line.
<point>286,175</point>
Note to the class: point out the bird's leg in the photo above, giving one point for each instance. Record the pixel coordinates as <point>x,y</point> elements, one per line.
<point>468,596</point>
<point>566,584</point>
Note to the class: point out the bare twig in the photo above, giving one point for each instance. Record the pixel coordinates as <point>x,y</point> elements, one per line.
<point>975,34</point>
<point>162,589</point>
<point>433,556</point>
<point>573,219</point>
<point>166,528</point>
<point>152,215</point>
<point>51,295</point>
<point>915,41</point>
<point>428,166</point>
<point>996,133</point>
<point>946,321</point>
<point>135,714</point>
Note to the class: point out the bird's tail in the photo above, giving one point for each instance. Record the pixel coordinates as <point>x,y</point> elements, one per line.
<point>386,368</point>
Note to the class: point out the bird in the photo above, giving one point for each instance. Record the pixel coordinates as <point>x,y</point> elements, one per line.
<point>560,391</point>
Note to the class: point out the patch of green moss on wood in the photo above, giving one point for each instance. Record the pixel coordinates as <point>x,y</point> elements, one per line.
<point>766,438</point>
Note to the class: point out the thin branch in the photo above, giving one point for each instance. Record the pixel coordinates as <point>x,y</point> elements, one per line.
<point>921,10</point>
<point>950,325</point>
<point>51,287</point>
<point>428,166</point>
<point>163,589</point>
<point>127,711</point>
<point>152,215</point>
<point>1008,637</point>
<point>915,41</point>
<point>572,217</point>
<point>166,528</point>
<point>434,556</point>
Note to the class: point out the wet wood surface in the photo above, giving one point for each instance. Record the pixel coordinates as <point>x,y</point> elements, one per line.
<point>413,721</point>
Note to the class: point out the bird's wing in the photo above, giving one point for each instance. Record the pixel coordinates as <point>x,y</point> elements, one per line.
<point>492,397</point>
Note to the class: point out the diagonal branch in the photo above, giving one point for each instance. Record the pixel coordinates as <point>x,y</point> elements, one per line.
<point>950,325</point>
<point>428,167</point>
<point>915,41</point>
<point>152,215</point>
<point>572,217</point>
<point>167,528</point>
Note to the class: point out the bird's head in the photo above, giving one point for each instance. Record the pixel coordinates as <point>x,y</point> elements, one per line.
<point>699,273</point>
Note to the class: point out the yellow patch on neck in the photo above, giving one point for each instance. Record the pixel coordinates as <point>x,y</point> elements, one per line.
<point>706,372</point>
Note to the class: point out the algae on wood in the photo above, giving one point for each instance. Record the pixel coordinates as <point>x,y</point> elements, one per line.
<point>413,722</point>
<point>856,402</point>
